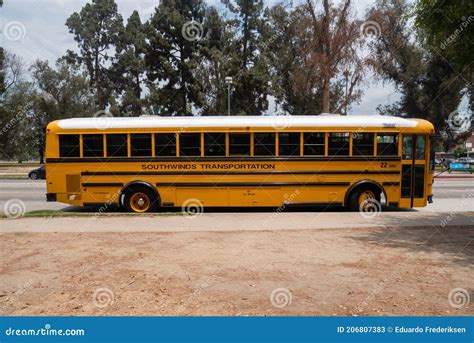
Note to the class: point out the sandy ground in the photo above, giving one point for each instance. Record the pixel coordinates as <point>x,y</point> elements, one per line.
<point>371,271</point>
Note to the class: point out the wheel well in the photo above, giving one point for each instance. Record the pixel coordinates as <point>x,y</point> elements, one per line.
<point>134,184</point>
<point>364,183</point>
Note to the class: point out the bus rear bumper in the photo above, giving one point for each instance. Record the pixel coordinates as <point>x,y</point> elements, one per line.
<point>430,199</point>
<point>51,197</point>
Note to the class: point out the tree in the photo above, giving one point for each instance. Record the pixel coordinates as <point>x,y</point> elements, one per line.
<point>248,67</point>
<point>446,27</point>
<point>96,29</point>
<point>2,71</point>
<point>334,47</point>
<point>2,63</point>
<point>429,86</point>
<point>127,74</point>
<point>173,55</point>
<point>64,93</point>
<point>217,55</point>
<point>15,118</point>
<point>13,71</point>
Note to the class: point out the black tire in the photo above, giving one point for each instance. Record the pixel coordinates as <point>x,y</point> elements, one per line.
<point>133,192</point>
<point>353,203</point>
<point>33,176</point>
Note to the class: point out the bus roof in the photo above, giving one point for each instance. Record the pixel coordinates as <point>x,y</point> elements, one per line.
<point>277,122</point>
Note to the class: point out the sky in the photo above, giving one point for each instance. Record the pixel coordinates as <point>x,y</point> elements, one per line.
<point>39,32</point>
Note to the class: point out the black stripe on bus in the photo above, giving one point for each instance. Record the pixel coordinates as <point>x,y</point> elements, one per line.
<point>248,184</point>
<point>102,184</point>
<point>391,183</point>
<point>303,204</point>
<point>219,159</point>
<point>97,204</point>
<point>276,172</point>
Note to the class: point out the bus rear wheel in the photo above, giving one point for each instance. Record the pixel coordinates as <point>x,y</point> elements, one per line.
<point>139,200</point>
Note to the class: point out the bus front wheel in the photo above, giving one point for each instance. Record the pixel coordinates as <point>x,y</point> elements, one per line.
<point>364,197</point>
<point>140,200</point>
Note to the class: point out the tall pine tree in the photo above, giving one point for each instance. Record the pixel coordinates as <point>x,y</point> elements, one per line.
<point>249,68</point>
<point>96,29</point>
<point>173,55</point>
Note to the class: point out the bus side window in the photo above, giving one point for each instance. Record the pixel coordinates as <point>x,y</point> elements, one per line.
<point>387,144</point>
<point>362,144</point>
<point>165,144</point>
<point>69,146</point>
<point>407,147</point>
<point>289,144</point>
<point>93,145</point>
<point>314,143</point>
<point>420,147</point>
<point>214,144</point>
<point>190,144</point>
<point>116,145</point>
<point>239,144</point>
<point>338,144</point>
<point>264,144</point>
<point>140,144</point>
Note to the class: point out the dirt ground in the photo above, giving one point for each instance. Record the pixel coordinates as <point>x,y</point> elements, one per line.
<point>407,271</point>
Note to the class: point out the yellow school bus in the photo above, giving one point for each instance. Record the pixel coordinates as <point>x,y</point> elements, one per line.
<point>149,162</point>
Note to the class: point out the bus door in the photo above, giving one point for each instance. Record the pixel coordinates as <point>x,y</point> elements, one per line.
<point>413,171</point>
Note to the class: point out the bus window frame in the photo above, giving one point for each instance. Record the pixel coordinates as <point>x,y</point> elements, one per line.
<point>154,144</point>
<point>348,133</point>
<point>370,134</point>
<point>93,155</point>
<point>79,136</point>
<point>324,136</point>
<point>141,133</point>
<point>106,140</point>
<point>274,144</point>
<point>241,134</point>
<point>394,134</point>
<point>298,151</point>
<point>181,134</point>
<point>224,134</point>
